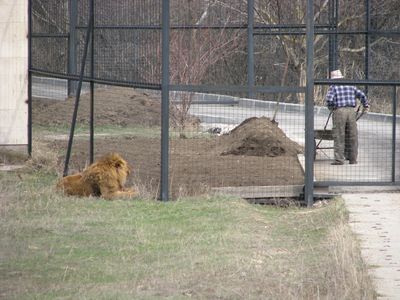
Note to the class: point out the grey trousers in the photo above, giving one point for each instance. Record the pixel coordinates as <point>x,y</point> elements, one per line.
<point>345,134</point>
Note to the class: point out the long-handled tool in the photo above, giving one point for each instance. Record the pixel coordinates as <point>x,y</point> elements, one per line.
<point>327,121</point>
<point>359,113</point>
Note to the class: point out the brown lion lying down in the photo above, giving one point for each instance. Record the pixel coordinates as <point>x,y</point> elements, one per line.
<point>104,178</point>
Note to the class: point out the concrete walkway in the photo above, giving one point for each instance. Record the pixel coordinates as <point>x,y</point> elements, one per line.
<point>375,217</point>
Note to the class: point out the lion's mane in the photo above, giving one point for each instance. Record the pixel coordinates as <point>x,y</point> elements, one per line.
<point>104,178</point>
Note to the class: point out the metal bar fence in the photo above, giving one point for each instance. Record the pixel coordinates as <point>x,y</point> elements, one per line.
<point>92,72</point>
<point>89,32</point>
<point>165,86</point>
<point>29,78</point>
<point>250,47</point>
<point>72,44</point>
<point>309,110</point>
<point>394,133</point>
<point>123,47</point>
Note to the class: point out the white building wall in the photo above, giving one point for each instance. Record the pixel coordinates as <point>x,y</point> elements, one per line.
<point>13,72</point>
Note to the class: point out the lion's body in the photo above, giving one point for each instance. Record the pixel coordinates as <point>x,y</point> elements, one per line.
<point>106,178</point>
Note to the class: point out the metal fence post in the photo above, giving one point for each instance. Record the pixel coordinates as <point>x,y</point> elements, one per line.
<point>79,88</point>
<point>91,131</point>
<point>165,102</point>
<point>333,55</point>
<point>29,78</point>
<point>394,119</point>
<point>367,41</point>
<point>309,108</point>
<point>72,53</point>
<point>250,48</point>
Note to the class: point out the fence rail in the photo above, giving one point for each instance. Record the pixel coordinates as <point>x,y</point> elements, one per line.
<point>206,69</point>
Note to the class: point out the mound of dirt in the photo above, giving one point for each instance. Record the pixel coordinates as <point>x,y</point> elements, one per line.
<point>259,137</point>
<point>264,155</point>
<point>116,106</point>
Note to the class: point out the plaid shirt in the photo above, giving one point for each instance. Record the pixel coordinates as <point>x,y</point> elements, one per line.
<point>344,95</point>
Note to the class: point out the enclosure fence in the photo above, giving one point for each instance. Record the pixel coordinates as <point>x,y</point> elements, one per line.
<point>223,96</point>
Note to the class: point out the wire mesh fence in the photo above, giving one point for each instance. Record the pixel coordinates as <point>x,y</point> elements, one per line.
<point>237,79</point>
<point>378,148</point>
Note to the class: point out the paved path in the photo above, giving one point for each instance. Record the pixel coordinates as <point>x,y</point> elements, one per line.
<point>375,138</point>
<point>375,217</point>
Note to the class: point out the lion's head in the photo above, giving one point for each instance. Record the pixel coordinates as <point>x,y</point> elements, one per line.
<point>117,167</point>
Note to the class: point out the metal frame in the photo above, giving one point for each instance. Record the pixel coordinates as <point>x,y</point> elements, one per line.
<point>394,118</point>
<point>309,109</point>
<point>250,48</point>
<point>29,148</point>
<point>72,40</point>
<point>309,30</point>
<point>165,88</point>
<point>88,39</point>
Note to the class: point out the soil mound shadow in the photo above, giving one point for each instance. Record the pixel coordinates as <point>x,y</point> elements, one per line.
<point>259,137</point>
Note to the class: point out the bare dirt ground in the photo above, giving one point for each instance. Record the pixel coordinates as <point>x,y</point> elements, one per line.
<point>256,153</point>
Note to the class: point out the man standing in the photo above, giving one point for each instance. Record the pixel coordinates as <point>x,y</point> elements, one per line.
<point>341,101</point>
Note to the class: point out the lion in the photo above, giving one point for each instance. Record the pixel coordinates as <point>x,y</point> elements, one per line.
<point>104,178</point>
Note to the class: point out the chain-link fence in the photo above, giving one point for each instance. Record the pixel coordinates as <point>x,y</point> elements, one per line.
<point>233,114</point>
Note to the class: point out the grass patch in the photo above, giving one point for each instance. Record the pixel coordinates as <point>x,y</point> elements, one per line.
<point>211,247</point>
<point>10,156</point>
<point>137,131</point>
<point>83,130</point>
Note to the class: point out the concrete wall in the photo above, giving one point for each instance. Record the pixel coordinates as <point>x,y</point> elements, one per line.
<point>13,72</point>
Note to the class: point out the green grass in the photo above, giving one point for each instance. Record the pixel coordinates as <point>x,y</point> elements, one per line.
<point>209,247</point>
<point>138,131</point>
<point>100,130</point>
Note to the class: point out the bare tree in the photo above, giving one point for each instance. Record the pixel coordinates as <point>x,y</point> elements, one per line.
<point>293,12</point>
<point>192,53</point>
<point>351,48</point>
<point>208,55</point>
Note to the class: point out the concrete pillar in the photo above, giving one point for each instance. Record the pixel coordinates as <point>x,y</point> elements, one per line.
<point>13,72</point>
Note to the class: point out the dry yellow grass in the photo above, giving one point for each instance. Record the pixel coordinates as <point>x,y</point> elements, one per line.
<point>205,248</point>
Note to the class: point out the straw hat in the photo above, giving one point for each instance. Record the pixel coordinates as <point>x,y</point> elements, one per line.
<point>336,74</point>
